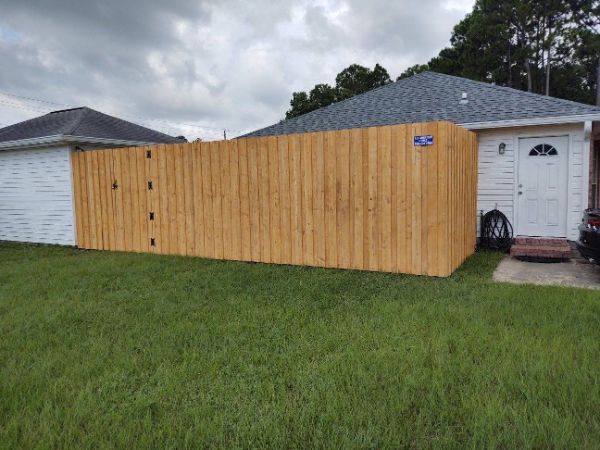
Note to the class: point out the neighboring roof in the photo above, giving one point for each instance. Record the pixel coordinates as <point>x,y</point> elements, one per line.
<point>84,123</point>
<point>431,96</point>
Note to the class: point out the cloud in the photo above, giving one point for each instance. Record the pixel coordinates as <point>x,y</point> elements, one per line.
<point>206,64</point>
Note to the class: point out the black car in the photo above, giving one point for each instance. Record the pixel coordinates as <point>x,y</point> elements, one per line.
<point>589,235</point>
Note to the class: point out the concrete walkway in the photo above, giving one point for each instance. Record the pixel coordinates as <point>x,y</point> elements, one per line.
<point>577,273</point>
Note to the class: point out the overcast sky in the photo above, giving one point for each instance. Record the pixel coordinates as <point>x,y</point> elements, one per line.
<point>196,67</point>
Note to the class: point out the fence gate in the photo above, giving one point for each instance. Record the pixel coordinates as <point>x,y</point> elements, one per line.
<point>397,198</point>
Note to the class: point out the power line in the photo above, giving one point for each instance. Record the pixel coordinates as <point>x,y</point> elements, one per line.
<point>141,119</point>
<point>23,107</point>
<point>32,99</point>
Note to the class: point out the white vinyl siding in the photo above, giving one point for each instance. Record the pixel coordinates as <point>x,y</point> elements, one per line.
<point>36,197</point>
<point>498,173</point>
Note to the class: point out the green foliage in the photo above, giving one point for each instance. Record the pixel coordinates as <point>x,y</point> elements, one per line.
<point>353,80</point>
<point>413,70</point>
<point>115,350</point>
<point>549,47</point>
<point>319,96</point>
<point>356,79</point>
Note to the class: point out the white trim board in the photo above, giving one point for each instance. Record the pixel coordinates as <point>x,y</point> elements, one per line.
<point>61,139</point>
<point>530,122</point>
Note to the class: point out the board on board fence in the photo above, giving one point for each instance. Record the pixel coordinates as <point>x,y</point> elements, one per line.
<point>398,198</point>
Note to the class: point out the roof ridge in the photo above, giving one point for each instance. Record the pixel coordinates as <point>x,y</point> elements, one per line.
<point>77,121</point>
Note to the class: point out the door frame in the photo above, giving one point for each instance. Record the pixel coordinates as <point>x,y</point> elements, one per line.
<point>517,158</point>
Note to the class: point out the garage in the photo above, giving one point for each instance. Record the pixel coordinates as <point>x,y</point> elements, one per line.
<point>36,196</point>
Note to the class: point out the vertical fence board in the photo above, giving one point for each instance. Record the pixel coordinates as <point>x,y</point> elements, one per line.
<point>163,241</point>
<point>318,171</point>
<point>393,200</point>
<point>153,201</point>
<point>79,195</point>
<point>188,182</point>
<point>264,194</point>
<point>366,197</point>
<point>330,200</point>
<point>442,204</point>
<point>103,194</point>
<point>209,241</point>
<point>198,204</point>
<point>85,207</point>
<point>356,204</point>
<point>97,200</point>
<point>143,198</point>
<point>274,199</point>
<point>225,198</point>
<point>284,198</point>
<point>254,199</point>
<point>431,207</point>
<point>131,178</point>
<point>180,194</point>
<point>384,198</point>
<point>244,201</point>
<point>399,150</point>
<point>306,161</point>
<point>342,205</point>
<point>294,152</point>
<point>217,198</point>
<point>235,202</point>
<point>89,180</point>
<point>373,211</point>
<point>129,215</point>
<point>118,202</point>
<point>415,202</point>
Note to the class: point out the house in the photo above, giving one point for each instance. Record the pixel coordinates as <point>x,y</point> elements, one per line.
<point>535,162</point>
<point>36,186</point>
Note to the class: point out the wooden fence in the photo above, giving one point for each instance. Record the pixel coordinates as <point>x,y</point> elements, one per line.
<point>362,198</point>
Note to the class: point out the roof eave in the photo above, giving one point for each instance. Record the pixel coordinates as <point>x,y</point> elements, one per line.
<point>60,139</point>
<point>576,118</point>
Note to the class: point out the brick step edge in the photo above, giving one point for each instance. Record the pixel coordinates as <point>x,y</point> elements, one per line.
<point>540,251</point>
<point>549,242</point>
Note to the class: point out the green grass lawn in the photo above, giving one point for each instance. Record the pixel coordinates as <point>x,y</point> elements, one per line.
<point>103,350</point>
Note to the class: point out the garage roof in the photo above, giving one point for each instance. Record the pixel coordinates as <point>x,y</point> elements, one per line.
<point>83,123</point>
<point>431,96</point>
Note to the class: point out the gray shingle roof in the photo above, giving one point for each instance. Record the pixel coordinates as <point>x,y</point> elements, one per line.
<point>82,122</point>
<point>429,96</point>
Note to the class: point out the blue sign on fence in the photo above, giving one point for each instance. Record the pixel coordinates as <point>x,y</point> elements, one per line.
<point>421,141</point>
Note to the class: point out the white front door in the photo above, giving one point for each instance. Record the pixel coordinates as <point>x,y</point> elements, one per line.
<point>542,186</point>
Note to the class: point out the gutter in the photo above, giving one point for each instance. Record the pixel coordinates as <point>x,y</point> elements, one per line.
<point>531,122</point>
<point>60,139</point>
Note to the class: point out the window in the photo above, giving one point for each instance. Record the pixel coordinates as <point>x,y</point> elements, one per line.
<point>543,150</point>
